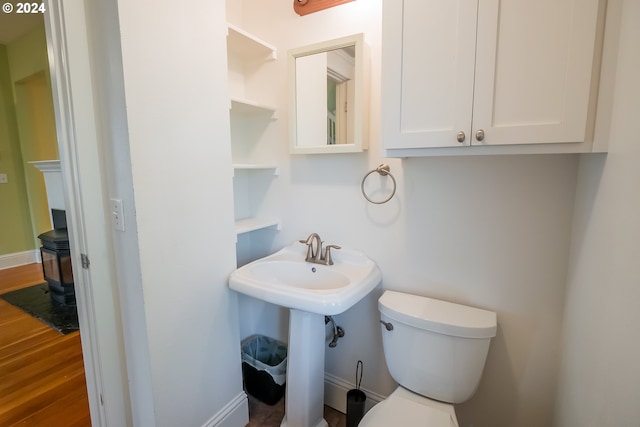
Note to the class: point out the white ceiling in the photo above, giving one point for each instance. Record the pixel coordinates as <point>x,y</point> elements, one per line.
<point>13,25</point>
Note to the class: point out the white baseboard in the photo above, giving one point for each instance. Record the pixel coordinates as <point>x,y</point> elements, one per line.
<point>236,412</point>
<point>335,394</point>
<point>19,258</point>
<point>233,414</point>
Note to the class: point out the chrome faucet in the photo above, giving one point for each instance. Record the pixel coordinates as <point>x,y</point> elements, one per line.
<point>312,253</point>
<point>315,254</point>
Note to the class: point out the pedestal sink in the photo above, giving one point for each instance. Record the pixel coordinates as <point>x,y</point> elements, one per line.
<point>310,291</point>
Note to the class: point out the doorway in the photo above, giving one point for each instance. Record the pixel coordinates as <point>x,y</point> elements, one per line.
<point>33,113</point>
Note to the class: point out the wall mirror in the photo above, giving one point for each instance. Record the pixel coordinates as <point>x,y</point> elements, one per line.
<point>329,97</point>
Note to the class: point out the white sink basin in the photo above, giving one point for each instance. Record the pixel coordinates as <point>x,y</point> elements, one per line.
<point>311,292</point>
<point>286,279</point>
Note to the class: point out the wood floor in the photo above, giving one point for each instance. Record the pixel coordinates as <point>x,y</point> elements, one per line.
<point>42,382</point>
<point>263,415</point>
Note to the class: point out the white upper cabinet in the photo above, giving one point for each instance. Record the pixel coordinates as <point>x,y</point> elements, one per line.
<point>490,73</point>
<point>428,60</point>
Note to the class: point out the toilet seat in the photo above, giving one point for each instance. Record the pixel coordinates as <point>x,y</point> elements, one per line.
<point>404,408</point>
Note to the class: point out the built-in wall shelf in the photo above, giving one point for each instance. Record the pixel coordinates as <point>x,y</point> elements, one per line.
<point>257,167</point>
<point>247,225</point>
<point>248,46</point>
<point>247,56</point>
<point>248,106</point>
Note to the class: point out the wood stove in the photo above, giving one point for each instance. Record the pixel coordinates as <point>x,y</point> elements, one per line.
<point>56,260</point>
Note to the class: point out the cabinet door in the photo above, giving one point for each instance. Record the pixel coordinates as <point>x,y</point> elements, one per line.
<point>533,70</point>
<point>428,53</point>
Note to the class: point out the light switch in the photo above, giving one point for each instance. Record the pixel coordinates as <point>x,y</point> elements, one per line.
<point>3,178</point>
<point>117,214</point>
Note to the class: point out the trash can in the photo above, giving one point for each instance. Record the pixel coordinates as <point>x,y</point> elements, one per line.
<point>264,368</point>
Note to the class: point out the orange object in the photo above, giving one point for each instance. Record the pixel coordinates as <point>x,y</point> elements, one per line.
<point>305,7</point>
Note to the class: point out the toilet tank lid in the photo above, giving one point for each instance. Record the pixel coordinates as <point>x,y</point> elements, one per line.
<point>438,316</point>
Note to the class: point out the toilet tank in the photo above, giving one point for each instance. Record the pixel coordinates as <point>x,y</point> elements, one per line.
<point>436,348</point>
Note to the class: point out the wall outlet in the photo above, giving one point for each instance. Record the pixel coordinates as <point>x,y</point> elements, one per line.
<point>117,214</point>
<point>3,178</point>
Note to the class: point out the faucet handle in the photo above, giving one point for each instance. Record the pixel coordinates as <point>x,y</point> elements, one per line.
<point>327,253</point>
<point>309,254</point>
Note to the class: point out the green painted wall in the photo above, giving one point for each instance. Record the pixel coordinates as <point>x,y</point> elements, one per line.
<point>29,124</point>
<point>28,55</point>
<point>15,219</point>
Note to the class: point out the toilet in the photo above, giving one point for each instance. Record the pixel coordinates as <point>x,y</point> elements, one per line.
<point>436,351</point>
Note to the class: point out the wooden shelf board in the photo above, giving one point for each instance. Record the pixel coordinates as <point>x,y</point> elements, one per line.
<point>247,225</point>
<point>248,106</point>
<point>248,46</point>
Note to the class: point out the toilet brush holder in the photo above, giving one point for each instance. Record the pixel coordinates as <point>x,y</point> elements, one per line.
<point>356,399</point>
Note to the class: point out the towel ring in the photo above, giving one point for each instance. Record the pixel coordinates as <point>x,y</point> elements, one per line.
<point>383,170</point>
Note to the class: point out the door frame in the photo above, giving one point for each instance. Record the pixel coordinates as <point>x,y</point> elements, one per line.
<point>90,238</point>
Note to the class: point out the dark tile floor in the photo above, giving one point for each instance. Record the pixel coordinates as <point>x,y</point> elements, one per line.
<point>263,415</point>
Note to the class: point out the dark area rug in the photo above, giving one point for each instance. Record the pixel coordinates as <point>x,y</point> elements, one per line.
<point>35,300</point>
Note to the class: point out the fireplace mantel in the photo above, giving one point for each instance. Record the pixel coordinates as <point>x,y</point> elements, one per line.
<point>47,165</point>
<point>53,182</point>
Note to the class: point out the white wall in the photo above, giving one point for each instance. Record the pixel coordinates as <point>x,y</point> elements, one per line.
<point>600,378</point>
<point>109,86</point>
<point>164,110</point>
<point>492,232</point>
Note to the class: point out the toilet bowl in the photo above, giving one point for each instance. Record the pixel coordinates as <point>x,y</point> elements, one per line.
<point>405,408</point>
<point>436,351</point>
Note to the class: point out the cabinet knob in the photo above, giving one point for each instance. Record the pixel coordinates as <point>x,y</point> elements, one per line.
<point>460,136</point>
<point>480,134</point>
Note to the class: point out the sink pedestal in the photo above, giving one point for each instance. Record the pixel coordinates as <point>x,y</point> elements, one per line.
<point>285,278</point>
<point>305,371</point>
